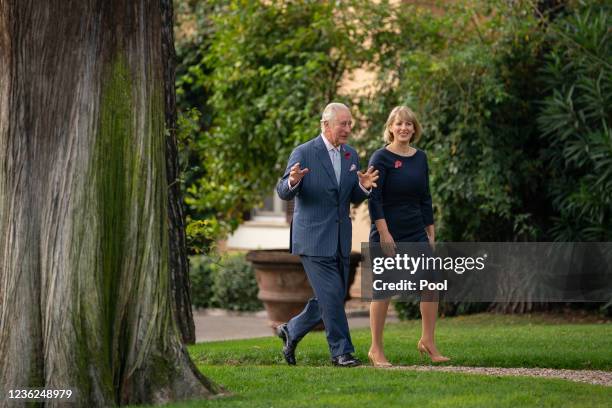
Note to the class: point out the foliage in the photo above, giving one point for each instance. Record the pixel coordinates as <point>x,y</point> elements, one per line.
<point>234,285</point>
<point>266,70</point>
<point>575,123</point>
<point>200,275</point>
<point>516,114</point>
<point>469,73</point>
<point>514,98</point>
<point>193,32</point>
<point>227,283</point>
<point>411,310</point>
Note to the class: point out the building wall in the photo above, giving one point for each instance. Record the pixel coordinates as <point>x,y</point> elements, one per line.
<point>275,235</point>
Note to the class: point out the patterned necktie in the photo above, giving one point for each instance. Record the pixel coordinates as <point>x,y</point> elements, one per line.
<point>336,163</point>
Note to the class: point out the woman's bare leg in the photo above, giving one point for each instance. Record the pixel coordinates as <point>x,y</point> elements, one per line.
<point>378,315</point>
<point>429,314</point>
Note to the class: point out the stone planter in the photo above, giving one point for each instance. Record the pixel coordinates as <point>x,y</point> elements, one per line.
<point>283,286</point>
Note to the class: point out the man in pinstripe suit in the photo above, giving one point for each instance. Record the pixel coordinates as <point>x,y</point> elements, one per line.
<point>324,178</point>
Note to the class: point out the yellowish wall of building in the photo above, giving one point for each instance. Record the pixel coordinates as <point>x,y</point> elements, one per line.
<point>361,226</point>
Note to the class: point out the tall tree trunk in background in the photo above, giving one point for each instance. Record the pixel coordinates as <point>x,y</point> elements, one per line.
<point>179,263</point>
<point>85,288</point>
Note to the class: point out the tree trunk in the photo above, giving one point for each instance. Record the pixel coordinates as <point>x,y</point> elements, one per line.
<point>85,288</point>
<point>179,263</point>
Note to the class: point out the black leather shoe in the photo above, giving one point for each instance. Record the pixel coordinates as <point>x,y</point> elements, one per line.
<point>288,346</point>
<point>346,360</point>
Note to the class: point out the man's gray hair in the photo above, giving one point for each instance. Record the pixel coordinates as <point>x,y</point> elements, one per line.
<point>330,111</point>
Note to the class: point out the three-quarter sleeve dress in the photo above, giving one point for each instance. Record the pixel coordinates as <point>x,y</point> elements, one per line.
<point>402,196</point>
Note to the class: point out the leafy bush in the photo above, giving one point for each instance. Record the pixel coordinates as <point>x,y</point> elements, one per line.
<point>516,107</point>
<point>227,283</point>
<point>234,285</point>
<point>575,122</point>
<point>515,99</point>
<point>471,75</point>
<point>200,274</point>
<point>411,310</point>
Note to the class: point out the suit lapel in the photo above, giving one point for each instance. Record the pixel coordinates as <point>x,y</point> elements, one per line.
<point>323,156</point>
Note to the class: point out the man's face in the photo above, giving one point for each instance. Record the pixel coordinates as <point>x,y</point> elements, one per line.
<point>339,128</point>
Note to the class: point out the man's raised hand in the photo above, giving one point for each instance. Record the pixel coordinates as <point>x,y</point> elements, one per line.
<point>296,173</point>
<point>368,179</point>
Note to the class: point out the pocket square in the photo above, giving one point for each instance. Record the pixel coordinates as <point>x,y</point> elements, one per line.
<point>353,167</point>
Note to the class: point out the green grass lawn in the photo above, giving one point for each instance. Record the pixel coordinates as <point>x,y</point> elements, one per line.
<point>478,340</point>
<point>267,386</point>
<point>256,375</point>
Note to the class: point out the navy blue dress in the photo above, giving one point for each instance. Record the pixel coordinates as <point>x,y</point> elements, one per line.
<point>402,196</point>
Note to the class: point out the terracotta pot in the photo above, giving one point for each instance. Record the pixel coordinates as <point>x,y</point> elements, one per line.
<point>283,286</point>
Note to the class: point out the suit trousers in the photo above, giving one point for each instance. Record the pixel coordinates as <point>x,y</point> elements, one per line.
<point>328,276</point>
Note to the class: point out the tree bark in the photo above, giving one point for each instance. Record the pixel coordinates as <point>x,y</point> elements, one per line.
<point>85,286</point>
<point>179,263</point>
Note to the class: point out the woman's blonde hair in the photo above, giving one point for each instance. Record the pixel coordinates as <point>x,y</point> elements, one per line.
<point>404,113</point>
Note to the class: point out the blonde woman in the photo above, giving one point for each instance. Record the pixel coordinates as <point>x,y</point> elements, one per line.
<point>401,211</point>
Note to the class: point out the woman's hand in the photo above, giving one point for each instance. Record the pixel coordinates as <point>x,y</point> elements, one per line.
<point>387,244</point>
<point>431,236</point>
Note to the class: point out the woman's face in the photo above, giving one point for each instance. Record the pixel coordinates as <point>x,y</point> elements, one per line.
<point>402,130</point>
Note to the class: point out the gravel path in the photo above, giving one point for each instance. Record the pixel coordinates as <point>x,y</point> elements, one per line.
<point>586,376</point>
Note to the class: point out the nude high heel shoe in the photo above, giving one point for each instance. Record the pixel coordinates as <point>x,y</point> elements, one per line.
<point>378,364</point>
<point>434,359</point>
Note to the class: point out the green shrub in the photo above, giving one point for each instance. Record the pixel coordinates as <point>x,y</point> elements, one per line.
<point>411,310</point>
<point>234,284</point>
<point>575,122</point>
<point>472,81</point>
<point>227,283</point>
<point>200,274</point>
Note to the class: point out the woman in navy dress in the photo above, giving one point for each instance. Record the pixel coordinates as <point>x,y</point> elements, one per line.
<point>401,211</point>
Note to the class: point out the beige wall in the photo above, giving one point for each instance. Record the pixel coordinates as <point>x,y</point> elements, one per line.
<point>361,225</point>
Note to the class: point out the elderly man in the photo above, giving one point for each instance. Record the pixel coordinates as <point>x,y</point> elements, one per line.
<point>324,178</point>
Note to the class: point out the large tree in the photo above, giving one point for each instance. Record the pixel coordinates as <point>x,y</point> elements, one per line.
<point>179,263</point>
<point>85,288</point>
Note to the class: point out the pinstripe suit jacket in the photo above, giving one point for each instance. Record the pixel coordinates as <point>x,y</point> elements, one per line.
<point>321,221</point>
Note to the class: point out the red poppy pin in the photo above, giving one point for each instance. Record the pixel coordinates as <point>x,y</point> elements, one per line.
<point>347,155</point>
<point>398,164</point>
